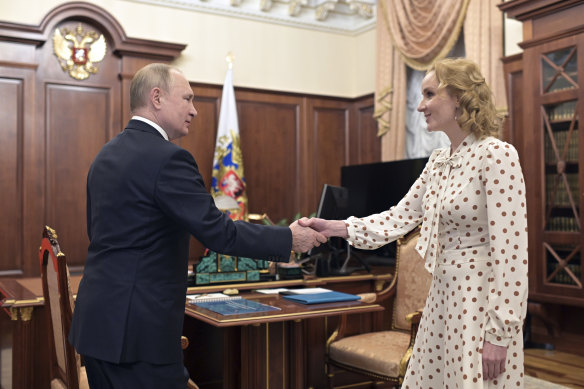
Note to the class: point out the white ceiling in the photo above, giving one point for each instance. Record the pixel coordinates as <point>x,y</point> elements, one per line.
<point>348,17</point>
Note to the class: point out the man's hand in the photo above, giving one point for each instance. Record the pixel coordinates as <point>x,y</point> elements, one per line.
<point>304,238</point>
<point>494,359</point>
<point>326,227</point>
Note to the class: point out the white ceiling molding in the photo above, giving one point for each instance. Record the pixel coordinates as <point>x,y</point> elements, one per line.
<point>347,17</point>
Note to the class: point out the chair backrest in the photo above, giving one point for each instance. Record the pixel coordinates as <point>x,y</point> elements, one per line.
<point>65,363</point>
<point>412,278</point>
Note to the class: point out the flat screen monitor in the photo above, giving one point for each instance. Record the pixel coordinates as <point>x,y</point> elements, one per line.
<point>376,187</point>
<point>334,203</point>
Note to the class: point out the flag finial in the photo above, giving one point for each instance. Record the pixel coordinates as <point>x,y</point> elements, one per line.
<point>230,58</point>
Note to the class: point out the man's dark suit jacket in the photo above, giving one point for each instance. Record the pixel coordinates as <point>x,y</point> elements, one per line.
<point>145,197</point>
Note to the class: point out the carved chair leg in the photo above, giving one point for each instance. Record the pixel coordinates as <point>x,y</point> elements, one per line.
<point>329,379</point>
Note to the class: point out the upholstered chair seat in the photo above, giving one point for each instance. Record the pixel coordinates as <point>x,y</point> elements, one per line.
<point>378,352</point>
<point>382,356</point>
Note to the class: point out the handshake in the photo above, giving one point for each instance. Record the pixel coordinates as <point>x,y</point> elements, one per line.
<point>309,233</point>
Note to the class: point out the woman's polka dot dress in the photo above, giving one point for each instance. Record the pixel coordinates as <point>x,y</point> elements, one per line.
<point>474,239</point>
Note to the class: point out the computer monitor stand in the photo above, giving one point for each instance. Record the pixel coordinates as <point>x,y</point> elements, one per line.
<point>345,270</point>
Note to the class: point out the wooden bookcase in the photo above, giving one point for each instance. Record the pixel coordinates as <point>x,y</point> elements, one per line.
<point>546,102</point>
<point>551,102</point>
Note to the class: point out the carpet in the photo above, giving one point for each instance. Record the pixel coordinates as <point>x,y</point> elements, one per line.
<point>536,383</point>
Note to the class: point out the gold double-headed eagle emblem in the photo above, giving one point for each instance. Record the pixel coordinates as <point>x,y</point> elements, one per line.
<point>79,51</point>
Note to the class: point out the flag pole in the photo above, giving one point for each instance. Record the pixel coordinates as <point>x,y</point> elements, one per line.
<point>230,58</point>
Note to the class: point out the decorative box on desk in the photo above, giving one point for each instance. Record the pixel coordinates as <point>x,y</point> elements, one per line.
<point>217,268</point>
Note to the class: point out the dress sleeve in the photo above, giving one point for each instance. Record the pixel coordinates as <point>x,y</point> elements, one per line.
<point>507,223</point>
<point>376,230</point>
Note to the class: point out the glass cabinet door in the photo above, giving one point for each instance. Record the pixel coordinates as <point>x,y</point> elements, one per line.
<point>563,265</point>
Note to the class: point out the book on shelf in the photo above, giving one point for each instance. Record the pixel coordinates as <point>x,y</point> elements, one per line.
<point>562,276</point>
<point>555,188</point>
<point>560,140</point>
<point>562,223</point>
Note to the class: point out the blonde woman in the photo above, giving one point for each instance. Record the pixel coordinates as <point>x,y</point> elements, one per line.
<point>470,201</point>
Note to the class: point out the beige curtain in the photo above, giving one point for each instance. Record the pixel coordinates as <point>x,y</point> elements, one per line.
<point>390,102</point>
<point>413,32</point>
<point>483,40</point>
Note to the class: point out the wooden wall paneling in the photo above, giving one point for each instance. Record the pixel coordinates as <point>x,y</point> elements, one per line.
<point>73,141</point>
<point>11,117</point>
<point>269,127</point>
<point>328,124</point>
<point>364,144</point>
<point>200,142</point>
<point>203,131</point>
<point>17,131</point>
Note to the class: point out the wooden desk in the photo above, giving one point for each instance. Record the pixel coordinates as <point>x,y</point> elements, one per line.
<point>275,349</point>
<point>24,329</point>
<point>288,310</point>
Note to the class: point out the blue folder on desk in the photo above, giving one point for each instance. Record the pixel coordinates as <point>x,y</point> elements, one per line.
<point>319,298</point>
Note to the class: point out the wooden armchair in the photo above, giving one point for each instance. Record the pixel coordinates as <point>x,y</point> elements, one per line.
<point>66,369</point>
<point>384,355</point>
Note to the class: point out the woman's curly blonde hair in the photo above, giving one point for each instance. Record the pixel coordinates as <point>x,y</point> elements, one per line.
<point>462,78</point>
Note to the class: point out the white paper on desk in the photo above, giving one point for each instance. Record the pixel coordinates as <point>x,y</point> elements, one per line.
<point>271,291</point>
<point>194,297</point>
<point>309,290</point>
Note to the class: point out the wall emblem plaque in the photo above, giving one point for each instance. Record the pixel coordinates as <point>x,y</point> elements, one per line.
<point>78,51</point>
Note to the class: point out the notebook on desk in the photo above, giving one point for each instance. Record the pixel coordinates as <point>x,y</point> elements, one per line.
<point>319,298</point>
<point>236,306</point>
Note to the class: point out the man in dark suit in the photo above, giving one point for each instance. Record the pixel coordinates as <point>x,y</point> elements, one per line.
<point>145,197</point>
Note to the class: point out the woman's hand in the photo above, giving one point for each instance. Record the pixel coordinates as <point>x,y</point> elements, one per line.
<point>326,227</point>
<point>494,359</point>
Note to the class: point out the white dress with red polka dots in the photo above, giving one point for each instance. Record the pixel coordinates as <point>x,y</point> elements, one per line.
<point>474,240</point>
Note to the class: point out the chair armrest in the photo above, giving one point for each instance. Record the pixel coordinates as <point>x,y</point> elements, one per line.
<point>184,342</point>
<point>368,297</point>
<point>388,292</point>
<point>378,297</point>
<point>338,333</point>
<point>414,319</point>
<point>191,384</point>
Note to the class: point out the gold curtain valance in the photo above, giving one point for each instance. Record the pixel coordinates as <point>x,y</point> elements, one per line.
<point>423,30</point>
